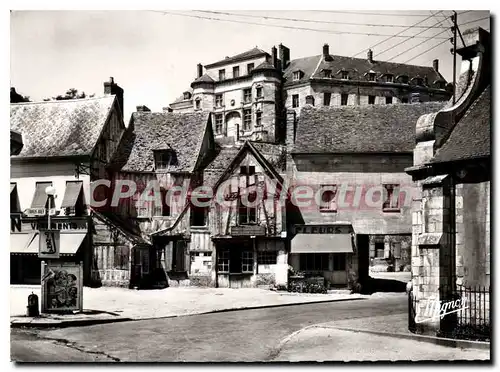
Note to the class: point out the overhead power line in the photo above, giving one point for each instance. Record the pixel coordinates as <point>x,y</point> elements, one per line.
<point>379,14</point>
<point>426,51</point>
<point>476,20</point>
<point>413,47</point>
<point>280,26</point>
<point>308,20</point>
<point>409,38</point>
<point>396,35</point>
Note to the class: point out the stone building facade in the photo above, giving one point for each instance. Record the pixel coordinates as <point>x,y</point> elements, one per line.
<point>451,211</point>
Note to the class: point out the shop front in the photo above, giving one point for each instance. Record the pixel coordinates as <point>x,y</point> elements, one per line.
<point>24,245</point>
<point>323,251</point>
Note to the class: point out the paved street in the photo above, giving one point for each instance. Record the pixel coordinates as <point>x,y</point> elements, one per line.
<point>247,335</point>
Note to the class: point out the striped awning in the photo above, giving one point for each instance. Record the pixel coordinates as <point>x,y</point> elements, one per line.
<point>40,197</point>
<point>71,194</point>
<point>12,186</point>
<point>322,243</point>
<point>70,242</point>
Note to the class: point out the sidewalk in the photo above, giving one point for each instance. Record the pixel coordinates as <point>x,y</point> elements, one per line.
<point>386,336</point>
<point>107,304</point>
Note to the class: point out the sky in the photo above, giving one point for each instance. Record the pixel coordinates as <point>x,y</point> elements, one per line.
<point>153,55</point>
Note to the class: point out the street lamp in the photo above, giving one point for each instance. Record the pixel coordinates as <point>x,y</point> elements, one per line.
<point>51,193</point>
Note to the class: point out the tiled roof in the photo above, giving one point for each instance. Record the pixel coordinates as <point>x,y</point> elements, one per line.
<point>360,129</point>
<point>204,79</point>
<point>60,128</point>
<point>216,168</point>
<point>357,68</point>
<point>183,133</point>
<point>471,136</point>
<point>124,149</point>
<point>273,153</point>
<point>252,53</point>
<point>181,97</point>
<point>264,66</point>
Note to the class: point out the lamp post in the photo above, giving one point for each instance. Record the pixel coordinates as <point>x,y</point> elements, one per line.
<point>51,193</point>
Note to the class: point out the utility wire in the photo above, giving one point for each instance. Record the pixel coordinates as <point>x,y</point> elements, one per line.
<point>379,14</point>
<point>428,50</point>
<point>308,20</point>
<point>280,26</point>
<point>404,41</point>
<point>413,47</point>
<point>399,33</point>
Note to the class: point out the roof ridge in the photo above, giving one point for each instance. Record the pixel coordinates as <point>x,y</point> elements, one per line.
<point>64,100</point>
<point>474,104</point>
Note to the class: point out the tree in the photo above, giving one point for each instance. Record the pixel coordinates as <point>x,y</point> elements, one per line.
<point>16,97</point>
<point>71,93</point>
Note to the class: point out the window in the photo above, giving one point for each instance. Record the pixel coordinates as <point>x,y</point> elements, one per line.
<point>371,100</point>
<point>345,75</point>
<point>218,123</point>
<point>236,71</point>
<point>247,214</point>
<point>371,76</point>
<point>41,199</point>
<point>163,159</point>
<point>258,118</point>
<point>218,100</point>
<point>326,99</point>
<point>267,258</point>
<point>328,203</point>
<point>310,100</point>
<point>314,261</point>
<point>259,92</point>
<point>389,78</point>
<point>247,262</point>
<point>121,257</point>
<point>247,95</point>
<point>404,100</point>
<point>223,261</point>
<point>296,75</point>
<point>295,100</point>
<point>247,119</point>
<point>187,95</point>
<point>222,75</point>
<point>327,73</point>
<point>339,261</point>
<point>343,99</point>
<point>199,214</point>
<point>379,249</point>
<point>72,203</point>
<point>388,100</point>
<point>163,208</point>
<point>392,197</point>
<point>198,103</point>
<point>250,68</point>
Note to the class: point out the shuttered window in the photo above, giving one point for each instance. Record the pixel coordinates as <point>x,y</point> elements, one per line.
<point>40,199</point>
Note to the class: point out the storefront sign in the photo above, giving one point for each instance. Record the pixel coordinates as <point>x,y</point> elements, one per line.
<point>35,212</point>
<point>322,229</point>
<point>19,225</point>
<point>62,289</point>
<point>49,244</point>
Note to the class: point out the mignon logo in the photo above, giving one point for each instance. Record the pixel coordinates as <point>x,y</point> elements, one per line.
<point>436,309</point>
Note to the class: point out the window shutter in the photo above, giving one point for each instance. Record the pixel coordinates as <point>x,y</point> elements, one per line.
<point>168,256</point>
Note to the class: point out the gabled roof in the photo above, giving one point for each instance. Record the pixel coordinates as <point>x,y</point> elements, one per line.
<point>360,129</point>
<point>204,79</point>
<point>60,128</point>
<point>183,132</point>
<point>357,67</point>
<point>249,54</point>
<point>181,97</point>
<point>471,136</point>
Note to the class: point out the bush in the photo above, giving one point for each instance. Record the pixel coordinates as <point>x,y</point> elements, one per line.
<point>305,287</point>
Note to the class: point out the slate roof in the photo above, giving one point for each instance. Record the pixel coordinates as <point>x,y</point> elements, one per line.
<point>360,129</point>
<point>219,164</point>
<point>60,128</point>
<point>181,97</point>
<point>181,132</point>
<point>471,136</point>
<point>204,79</point>
<point>249,54</point>
<point>264,66</point>
<point>357,67</point>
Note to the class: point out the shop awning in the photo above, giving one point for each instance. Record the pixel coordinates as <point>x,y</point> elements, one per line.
<point>23,243</point>
<point>73,190</point>
<point>28,243</point>
<point>12,186</point>
<point>40,197</point>
<point>321,243</point>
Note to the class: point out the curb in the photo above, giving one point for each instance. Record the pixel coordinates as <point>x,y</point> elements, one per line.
<point>88,322</point>
<point>463,344</point>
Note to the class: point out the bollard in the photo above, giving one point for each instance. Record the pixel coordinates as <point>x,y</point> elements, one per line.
<point>33,305</point>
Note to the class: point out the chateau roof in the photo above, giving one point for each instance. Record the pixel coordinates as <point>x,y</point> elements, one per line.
<point>249,54</point>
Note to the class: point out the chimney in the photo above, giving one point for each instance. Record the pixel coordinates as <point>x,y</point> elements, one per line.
<point>370,55</point>
<point>290,137</point>
<point>435,64</point>
<point>200,70</point>
<point>284,56</point>
<point>274,53</point>
<point>326,51</point>
<point>142,108</point>
<point>110,87</point>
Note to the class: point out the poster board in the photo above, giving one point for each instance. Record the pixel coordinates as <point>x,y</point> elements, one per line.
<point>49,244</point>
<point>62,286</point>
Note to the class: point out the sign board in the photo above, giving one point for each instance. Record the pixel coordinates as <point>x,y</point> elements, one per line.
<point>49,244</point>
<point>62,286</point>
<point>20,225</point>
<point>322,229</point>
<point>248,230</point>
<point>35,212</point>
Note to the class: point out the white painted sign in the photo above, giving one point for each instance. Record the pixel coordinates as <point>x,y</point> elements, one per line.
<point>35,212</point>
<point>49,244</point>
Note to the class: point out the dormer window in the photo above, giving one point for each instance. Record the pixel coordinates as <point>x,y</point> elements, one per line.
<point>417,80</point>
<point>439,84</point>
<point>371,76</point>
<point>297,75</point>
<point>389,78</point>
<point>403,79</point>
<point>327,74</point>
<point>187,95</point>
<point>222,74</point>
<point>345,75</point>
<point>164,159</point>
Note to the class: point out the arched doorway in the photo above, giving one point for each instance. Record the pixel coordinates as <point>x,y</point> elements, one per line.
<point>233,123</point>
